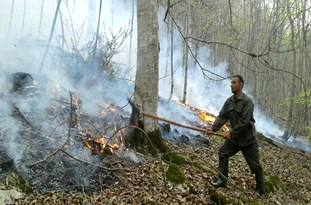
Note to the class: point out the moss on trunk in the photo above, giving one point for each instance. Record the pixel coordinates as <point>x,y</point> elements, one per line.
<point>157,141</point>
<point>147,142</point>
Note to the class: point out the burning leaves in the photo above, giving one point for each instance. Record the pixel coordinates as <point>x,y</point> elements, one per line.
<point>206,117</point>
<point>97,145</point>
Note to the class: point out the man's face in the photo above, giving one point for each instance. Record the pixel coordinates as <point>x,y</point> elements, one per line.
<point>236,85</point>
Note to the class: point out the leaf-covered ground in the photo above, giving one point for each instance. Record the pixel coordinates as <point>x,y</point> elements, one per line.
<point>148,184</point>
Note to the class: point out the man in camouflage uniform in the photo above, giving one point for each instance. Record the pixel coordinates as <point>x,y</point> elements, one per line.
<point>238,110</point>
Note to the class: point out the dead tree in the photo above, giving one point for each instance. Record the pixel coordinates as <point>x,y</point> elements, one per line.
<point>11,17</point>
<point>41,17</point>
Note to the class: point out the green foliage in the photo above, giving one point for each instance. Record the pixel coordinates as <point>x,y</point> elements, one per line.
<point>218,198</point>
<point>207,26</point>
<point>246,200</point>
<point>273,183</point>
<point>308,133</point>
<point>175,174</point>
<point>157,142</point>
<point>301,98</point>
<point>147,143</point>
<point>15,181</point>
<point>173,158</point>
<point>202,166</point>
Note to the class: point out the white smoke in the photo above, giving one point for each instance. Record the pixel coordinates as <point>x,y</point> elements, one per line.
<point>22,47</point>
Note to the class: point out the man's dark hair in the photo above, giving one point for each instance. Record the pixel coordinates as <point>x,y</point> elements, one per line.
<point>239,77</point>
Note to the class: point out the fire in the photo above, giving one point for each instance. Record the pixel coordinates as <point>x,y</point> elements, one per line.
<point>97,145</point>
<point>206,118</point>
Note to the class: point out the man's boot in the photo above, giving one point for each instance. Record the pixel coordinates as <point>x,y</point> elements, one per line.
<point>219,183</point>
<point>260,184</point>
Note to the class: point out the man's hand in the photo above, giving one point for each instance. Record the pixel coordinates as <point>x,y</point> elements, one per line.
<point>209,131</point>
<point>227,135</point>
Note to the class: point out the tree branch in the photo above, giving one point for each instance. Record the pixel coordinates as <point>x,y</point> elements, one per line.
<point>253,55</point>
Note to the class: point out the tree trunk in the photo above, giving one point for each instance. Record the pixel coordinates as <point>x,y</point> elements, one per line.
<point>147,77</point>
<point>11,17</point>
<point>289,127</point>
<point>172,58</point>
<point>91,24</point>
<point>41,17</point>
<point>131,34</point>
<point>41,67</point>
<point>186,56</point>
<point>96,35</point>
<point>23,20</point>
<point>147,73</point>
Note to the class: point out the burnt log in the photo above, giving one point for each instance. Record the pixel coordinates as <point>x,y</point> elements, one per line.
<point>20,81</point>
<point>6,163</point>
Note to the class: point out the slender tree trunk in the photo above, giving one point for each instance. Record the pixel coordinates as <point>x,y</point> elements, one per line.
<point>186,57</point>
<point>23,20</point>
<point>289,127</point>
<point>11,17</point>
<point>41,17</point>
<point>91,24</point>
<point>93,58</point>
<point>41,67</point>
<point>112,14</point>
<point>172,58</point>
<point>167,59</point>
<point>63,40</point>
<point>305,58</point>
<point>131,34</point>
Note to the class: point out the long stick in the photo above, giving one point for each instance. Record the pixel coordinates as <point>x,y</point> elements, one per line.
<point>179,124</point>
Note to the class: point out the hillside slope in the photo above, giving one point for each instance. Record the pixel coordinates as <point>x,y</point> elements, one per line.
<point>288,173</point>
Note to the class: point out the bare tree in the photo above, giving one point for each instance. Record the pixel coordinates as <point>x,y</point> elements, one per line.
<point>41,17</point>
<point>131,33</point>
<point>41,67</point>
<point>172,57</point>
<point>11,17</point>
<point>23,19</point>
<point>91,17</point>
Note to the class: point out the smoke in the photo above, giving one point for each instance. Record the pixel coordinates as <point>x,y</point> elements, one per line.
<point>22,46</point>
<point>202,91</point>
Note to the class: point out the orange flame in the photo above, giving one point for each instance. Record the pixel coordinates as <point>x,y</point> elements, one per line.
<point>206,118</point>
<point>97,145</point>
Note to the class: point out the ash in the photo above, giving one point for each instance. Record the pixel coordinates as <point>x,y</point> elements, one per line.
<point>44,142</point>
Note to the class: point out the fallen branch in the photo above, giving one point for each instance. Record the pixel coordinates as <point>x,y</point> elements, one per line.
<point>86,162</point>
<point>18,112</point>
<point>179,124</point>
<point>252,55</point>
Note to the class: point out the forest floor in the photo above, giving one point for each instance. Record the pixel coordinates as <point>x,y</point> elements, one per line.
<point>288,170</point>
